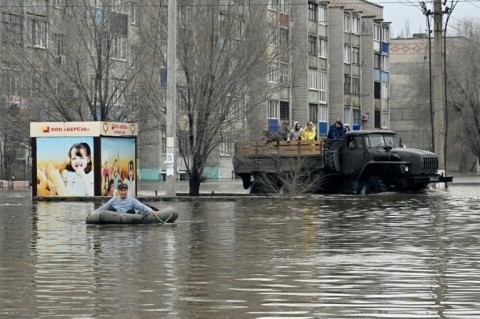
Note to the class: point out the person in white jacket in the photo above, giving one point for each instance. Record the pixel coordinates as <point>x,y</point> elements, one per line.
<point>295,133</point>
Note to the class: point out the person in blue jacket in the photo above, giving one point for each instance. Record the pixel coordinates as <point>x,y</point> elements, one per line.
<point>126,204</point>
<point>336,130</point>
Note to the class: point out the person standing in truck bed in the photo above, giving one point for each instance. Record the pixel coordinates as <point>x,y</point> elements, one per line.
<point>271,136</point>
<point>284,130</point>
<point>309,133</point>
<point>295,133</point>
<point>336,130</point>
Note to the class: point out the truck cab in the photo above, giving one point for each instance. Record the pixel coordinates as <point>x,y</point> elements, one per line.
<point>373,161</point>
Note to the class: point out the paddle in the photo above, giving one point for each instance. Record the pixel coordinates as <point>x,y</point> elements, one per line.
<point>158,218</point>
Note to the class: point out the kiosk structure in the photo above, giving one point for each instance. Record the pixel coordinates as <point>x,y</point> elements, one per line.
<point>83,158</point>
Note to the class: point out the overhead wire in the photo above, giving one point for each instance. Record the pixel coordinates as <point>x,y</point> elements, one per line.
<point>264,3</point>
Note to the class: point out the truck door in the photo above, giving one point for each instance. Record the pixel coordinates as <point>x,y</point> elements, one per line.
<point>353,155</point>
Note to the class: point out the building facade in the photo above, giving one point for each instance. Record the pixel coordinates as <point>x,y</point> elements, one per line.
<point>412,114</point>
<point>334,63</point>
<point>339,65</point>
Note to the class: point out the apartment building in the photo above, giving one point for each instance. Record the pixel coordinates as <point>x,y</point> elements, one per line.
<point>339,65</point>
<point>411,112</point>
<point>333,63</point>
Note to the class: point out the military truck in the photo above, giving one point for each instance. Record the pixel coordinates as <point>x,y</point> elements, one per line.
<point>369,161</point>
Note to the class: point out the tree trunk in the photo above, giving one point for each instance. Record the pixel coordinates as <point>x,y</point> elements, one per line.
<point>194,183</point>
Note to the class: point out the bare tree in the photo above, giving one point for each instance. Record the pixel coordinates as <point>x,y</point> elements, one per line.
<point>225,50</point>
<point>77,60</point>
<point>87,63</point>
<point>300,178</point>
<point>464,97</point>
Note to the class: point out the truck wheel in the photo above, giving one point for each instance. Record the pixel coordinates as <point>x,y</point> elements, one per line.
<point>373,185</point>
<point>332,161</point>
<point>257,188</point>
<point>418,187</point>
<point>246,180</point>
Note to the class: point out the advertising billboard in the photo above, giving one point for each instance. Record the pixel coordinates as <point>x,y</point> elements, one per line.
<point>83,158</point>
<point>65,166</point>
<point>118,164</point>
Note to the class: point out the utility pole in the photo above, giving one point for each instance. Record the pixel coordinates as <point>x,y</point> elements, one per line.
<point>171,119</point>
<point>438,103</point>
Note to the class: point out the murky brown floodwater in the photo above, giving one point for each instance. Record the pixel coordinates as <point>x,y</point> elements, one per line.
<point>381,256</point>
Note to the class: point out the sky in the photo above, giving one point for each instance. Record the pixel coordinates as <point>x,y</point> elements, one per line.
<point>403,12</point>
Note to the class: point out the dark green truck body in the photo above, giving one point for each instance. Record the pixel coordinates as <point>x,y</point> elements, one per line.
<point>361,162</point>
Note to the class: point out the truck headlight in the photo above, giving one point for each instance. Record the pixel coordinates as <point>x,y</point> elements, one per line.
<point>406,168</point>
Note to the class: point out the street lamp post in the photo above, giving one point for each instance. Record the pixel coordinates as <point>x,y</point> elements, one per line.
<point>171,123</point>
<point>448,12</point>
<point>440,102</point>
<point>427,14</point>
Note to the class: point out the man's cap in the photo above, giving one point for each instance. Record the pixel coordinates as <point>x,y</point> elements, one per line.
<point>122,186</point>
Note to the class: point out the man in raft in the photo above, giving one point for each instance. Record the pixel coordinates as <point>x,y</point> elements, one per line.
<point>126,204</point>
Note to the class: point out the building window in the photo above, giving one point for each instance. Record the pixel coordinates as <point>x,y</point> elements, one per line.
<point>384,92</point>
<point>239,28</point>
<point>323,113</point>
<point>376,32</point>
<point>356,115</point>
<point>163,9</point>
<point>284,74</point>
<point>273,35</point>
<point>273,73</point>
<point>346,115</point>
<point>355,86</point>
<point>356,25</point>
<point>385,34</point>
<point>385,62</point>
<point>376,61</point>
<point>312,45</point>
<point>272,109</point>
<point>59,41</point>
<point>313,79</point>
<point>323,47</point>
<point>119,6</point>
<point>283,6</point>
<point>322,82</point>
<point>133,13</point>
<point>313,113</point>
<point>355,56</point>
<point>322,15</point>
<point>184,15</point>
<point>312,12</point>
<point>163,51</point>
<point>284,111</point>
<point>272,5</point>
<point>11,28</point>
<point>347,24</point>
<point>227,147</point>
<point>10,82</point>
<point>346,54</point>
<point>346,84</point>
<point>376,90</point>
<point>37,33</point>
<point>119,47</point>
<point>284,38</point>
<point>277,5</point>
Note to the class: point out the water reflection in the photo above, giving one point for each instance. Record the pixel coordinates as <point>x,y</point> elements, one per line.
<point>381,256</point>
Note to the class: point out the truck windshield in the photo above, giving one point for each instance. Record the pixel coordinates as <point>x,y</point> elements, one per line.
<point>374,140</point>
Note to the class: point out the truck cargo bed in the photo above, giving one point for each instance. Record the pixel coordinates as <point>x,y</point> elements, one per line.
<point>277,156</point>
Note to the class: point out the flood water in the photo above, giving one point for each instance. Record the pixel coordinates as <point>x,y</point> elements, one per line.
<point>379,256</point>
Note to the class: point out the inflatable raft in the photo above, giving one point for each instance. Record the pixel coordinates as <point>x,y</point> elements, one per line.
<point>109,217</point>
